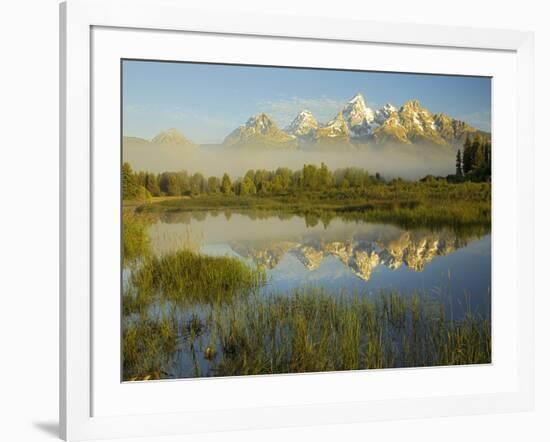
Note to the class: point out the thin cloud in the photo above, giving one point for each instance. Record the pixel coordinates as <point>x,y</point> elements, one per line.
<point>284,111</point>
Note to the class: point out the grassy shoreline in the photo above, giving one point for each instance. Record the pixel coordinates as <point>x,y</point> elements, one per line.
<point>207,310</point>
<point>432,211</point>
<point>408,194</point>
<point>226,328</point>
<point>308,330</point>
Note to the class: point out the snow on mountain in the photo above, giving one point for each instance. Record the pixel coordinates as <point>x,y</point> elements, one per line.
<point>419,123</point>
<point>382,114</point>
<point>358,116</point>
<point>259,130</point>
<point>356,123</point>
<point>303,126</point>
<point>334,131</point>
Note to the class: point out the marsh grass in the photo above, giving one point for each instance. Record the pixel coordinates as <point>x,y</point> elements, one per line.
<point>460,216</point>
<point>313,330</point>
<point>308,330</point>
<point>148,346</point>
<point>186,275</point>
<point>182,305</point>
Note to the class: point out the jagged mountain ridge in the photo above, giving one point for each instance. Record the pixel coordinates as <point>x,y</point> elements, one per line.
<point>359,118</point>
<point>357,123</point>
<point>335,131</point>
<point>303,126</point>
<point>260,130</point>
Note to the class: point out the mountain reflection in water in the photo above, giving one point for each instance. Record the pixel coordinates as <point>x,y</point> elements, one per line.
<point>355,255</point>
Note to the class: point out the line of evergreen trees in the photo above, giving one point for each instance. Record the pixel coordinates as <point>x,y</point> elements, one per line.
<point>140,185</point>
<point>473,163</point>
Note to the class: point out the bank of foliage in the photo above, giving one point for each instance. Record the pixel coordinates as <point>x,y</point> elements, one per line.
<point>340,183</point>
<point>132,187</point>
<point>473,162</point>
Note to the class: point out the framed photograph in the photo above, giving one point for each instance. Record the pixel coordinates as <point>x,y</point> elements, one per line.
<point>282,221</point>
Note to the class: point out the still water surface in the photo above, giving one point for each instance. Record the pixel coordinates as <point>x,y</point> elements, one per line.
<point>360,257</point>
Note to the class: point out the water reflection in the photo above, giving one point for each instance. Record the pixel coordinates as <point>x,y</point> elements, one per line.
<point>351,254</point>
<point>313,267</point>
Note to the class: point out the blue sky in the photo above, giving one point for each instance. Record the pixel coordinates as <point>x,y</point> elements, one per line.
<point>206,102</point>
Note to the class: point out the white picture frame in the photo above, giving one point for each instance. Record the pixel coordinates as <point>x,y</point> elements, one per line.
<point>80,379</point>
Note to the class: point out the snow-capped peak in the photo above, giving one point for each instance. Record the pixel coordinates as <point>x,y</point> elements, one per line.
<point>382,114</point>
<point>413,104</point>
<point>261,123</point>
<point>303,125</point>
<point>356,112</point>
<point>358,98</point>
<point>388,108</point>
<point>305,113</point>
<point>337,127</point>
<point>358,116</point>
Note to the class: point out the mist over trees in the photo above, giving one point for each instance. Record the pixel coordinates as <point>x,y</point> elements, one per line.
<point>409,161</point>
<point>472,163</point>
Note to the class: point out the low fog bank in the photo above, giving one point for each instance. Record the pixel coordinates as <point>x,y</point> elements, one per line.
<point>406,161</point>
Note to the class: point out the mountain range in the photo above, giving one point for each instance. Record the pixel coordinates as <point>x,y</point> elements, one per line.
<point>355,125</point>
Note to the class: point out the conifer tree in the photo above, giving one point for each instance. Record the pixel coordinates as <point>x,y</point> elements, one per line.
<point>151,184</point>
<point>227,188</point>
<point>130,185</point>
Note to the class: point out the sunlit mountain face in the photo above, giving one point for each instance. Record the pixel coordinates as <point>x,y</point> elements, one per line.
<point>355,124</point>
<point>289,223</point>
<point>407,141</point>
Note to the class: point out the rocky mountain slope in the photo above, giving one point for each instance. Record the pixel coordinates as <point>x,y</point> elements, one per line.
<point>173,137</point>
<point>336,131</point>
<point>303,127</point>
<point>357,124</point>
<point>359,118</point>
<point>260,131</point>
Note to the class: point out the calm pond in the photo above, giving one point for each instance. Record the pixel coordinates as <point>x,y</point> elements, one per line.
<point>350,254</point>
<point>353,256</point>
